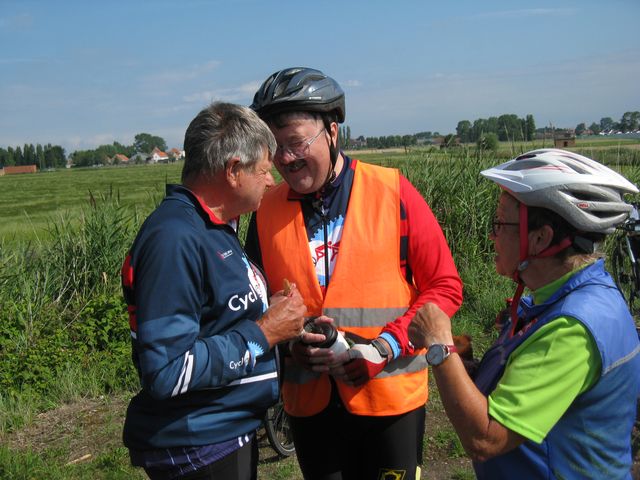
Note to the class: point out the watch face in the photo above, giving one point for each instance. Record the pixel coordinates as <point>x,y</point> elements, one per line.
<point>436,354</point>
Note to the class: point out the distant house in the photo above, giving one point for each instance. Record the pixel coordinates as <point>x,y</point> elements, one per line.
<point>138,157</point>
<point>158,156</point>
<point>176,154</point>
<point>424,141</point>
<point>359,142</point>
<point>564,139</point>
<point>437,141</point>
<point>19,169</point>
<point>120,158</point>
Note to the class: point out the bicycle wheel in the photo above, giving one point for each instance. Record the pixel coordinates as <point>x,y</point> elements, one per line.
<point>624,274</point>
<point>276,424</point>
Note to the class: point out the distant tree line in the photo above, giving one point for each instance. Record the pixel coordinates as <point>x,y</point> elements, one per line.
<point>485,132</point>
<point>48,156</point>
<point>101,155</point>
<point>507,127</point>
<point>104,154</point>
<point>388,141</point>
<point>629,122</point>
<point>53,156</point>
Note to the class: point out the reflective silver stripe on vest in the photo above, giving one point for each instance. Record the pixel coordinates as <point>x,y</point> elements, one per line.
<point>364,317</point>
<point>294,373</point>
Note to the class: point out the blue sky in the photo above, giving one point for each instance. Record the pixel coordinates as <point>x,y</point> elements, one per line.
<point>84,73</point>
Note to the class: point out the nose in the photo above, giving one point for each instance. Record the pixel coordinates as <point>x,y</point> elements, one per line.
<point>283,156</point>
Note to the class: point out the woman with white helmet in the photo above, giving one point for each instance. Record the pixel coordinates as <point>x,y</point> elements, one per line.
<point>555,396</point>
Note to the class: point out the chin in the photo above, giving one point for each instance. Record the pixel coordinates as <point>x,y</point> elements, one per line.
<point>302,187</point>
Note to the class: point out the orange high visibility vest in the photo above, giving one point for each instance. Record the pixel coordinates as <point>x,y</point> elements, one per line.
<point>367,290</point>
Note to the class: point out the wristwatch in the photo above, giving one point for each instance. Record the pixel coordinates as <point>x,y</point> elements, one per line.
<point>380,348</point>
<point>438,353</point>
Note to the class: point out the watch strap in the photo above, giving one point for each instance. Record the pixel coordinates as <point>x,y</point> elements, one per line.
<point>447,350</point>
<point>384,353</point>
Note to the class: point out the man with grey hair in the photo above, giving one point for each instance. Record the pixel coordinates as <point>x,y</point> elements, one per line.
<point>202,331</point>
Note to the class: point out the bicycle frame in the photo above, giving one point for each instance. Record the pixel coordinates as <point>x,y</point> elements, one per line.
<point>624,261</point>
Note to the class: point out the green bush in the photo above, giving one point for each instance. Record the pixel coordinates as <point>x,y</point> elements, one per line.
<point>102,324</point>
<point>61,302</point>
<point>488,142</point>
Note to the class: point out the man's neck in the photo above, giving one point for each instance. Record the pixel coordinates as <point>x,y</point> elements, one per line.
<point>211,196</point>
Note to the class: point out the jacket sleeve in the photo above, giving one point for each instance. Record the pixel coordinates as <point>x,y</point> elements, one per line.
<point>430,262</point>
<point>171,356</point>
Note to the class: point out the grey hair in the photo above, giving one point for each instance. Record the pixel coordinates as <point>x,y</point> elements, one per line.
<point>220,132</point>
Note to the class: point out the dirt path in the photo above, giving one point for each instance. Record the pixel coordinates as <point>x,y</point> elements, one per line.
<point>90,427</point>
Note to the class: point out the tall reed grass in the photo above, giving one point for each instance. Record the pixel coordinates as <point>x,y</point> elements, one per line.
<point>63,323</point>
<point>61,312</point>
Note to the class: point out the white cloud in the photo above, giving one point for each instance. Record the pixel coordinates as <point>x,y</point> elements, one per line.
<point>563,93</point>
<point>240,93</point>
<point>529,12</point>
<point>159,79</point>
<point>22,21</point>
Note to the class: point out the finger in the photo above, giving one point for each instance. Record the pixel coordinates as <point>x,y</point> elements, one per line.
<point>309,337</point>
<point>323,319</point>
<point>320,368</point>
<point>343,357</point>
<point>286,289</point>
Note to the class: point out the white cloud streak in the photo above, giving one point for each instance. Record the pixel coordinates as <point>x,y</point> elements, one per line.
<point>529,12</point>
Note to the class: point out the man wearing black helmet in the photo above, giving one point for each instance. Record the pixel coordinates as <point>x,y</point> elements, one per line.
<point>365,252</point>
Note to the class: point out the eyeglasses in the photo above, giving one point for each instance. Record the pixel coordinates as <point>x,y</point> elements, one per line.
<point>496,226</point>
<point>297,149</point>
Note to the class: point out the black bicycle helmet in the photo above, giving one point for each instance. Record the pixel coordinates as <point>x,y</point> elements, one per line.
<point>299,89</point>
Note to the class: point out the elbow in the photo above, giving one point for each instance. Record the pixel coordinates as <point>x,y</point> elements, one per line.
<point>480,450</point>
<point>156,393</point>
<point>158,390</point>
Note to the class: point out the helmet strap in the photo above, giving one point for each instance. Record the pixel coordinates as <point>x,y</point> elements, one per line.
<point>525,259</point>
<point>333,152</point>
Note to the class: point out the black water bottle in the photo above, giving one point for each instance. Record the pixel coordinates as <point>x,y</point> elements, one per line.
<point>334,339</point>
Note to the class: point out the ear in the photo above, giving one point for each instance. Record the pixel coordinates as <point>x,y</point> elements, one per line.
<point>540,239</point>
<point>334,133</point>
<point>232,171</point>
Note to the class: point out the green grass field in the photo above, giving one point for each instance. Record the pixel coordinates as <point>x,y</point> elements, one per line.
<point>30,201</point>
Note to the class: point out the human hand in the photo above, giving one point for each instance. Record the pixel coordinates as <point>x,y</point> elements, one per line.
<point>287,290</point>
<point>358,365</point>
<point>430,325</point>
<point>304,351</point>
<point>284,319</point>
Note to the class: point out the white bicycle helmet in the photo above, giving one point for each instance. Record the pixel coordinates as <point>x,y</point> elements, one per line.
<point>584,192</point>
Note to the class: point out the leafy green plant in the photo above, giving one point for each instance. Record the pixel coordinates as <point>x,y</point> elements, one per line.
<point>448,440</point>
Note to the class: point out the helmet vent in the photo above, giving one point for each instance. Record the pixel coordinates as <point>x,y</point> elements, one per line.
<point>525,164</point>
